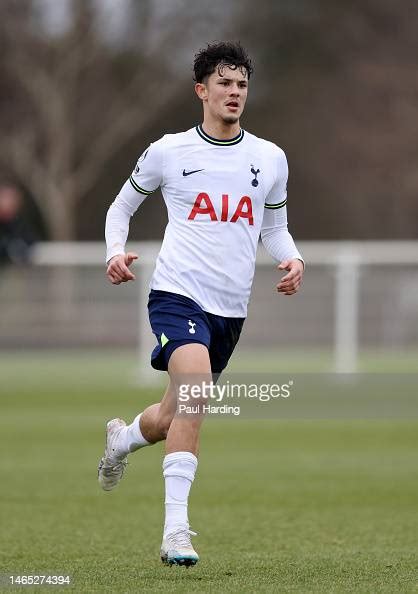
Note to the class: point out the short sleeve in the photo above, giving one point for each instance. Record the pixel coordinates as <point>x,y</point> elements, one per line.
<point>148,173</point>
<point>277,197</point>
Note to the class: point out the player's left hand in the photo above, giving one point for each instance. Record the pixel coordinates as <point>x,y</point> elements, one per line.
<point>292,281</point>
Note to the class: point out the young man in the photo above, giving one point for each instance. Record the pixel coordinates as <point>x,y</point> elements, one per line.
<point>223,187</point>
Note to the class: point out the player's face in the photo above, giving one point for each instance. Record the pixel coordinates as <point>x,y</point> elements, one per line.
<point>226,94</point>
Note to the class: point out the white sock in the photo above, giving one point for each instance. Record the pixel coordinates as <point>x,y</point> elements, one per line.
<point>130,438</point>
<point>179,469</point>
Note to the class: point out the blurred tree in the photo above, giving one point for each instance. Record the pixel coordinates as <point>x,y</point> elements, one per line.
<point>70,102</point>
<point>335,84</point>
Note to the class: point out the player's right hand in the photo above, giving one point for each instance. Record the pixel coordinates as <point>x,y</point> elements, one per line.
<point>118,268</point>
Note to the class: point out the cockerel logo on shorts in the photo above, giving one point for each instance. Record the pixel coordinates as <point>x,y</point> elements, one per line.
<point>192,325</point>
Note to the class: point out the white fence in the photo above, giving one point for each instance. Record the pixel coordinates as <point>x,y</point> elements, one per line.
<point>356,295</point>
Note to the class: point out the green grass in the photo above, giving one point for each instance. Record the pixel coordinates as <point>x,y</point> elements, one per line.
<point>280,506</point>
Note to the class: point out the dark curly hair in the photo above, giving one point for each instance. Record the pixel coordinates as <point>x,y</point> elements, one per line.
<point>221,54</point>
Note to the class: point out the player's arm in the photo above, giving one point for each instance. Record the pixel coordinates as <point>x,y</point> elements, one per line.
<point>276,237</point>
<point>145,179</point>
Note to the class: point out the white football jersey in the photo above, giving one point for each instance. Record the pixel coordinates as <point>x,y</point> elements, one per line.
<point>220,194</point>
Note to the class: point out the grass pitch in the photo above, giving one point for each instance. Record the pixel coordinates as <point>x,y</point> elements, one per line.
<point>280,506</point>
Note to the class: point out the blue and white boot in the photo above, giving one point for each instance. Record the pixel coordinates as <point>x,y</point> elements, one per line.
<point>176,548</point>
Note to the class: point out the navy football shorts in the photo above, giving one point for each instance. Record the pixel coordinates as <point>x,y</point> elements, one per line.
<point>177,320</point>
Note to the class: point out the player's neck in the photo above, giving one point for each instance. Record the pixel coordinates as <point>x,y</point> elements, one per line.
<point>220,130</point>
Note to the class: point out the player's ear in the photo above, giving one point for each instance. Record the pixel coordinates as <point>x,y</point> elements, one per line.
<point>201,91</point>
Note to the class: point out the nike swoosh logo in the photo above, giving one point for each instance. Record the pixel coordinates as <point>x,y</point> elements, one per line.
<point>185,173</point>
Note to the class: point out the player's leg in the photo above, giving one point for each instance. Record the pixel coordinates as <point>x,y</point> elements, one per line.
<point>147,428</point>
<point>189,364</point>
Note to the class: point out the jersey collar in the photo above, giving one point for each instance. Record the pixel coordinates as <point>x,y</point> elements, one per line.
<point>217,142</point>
